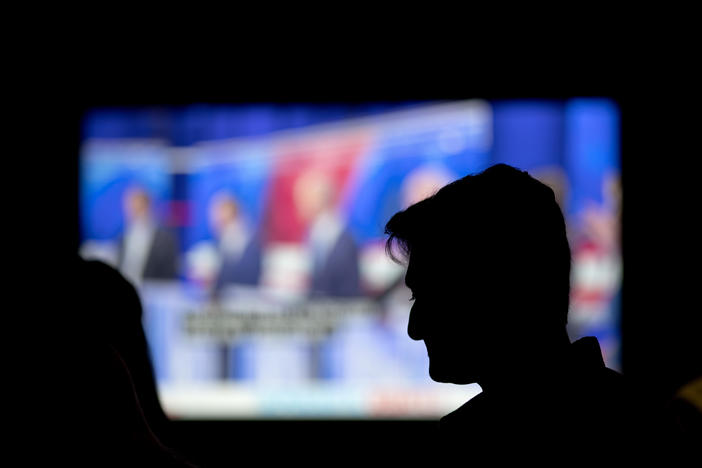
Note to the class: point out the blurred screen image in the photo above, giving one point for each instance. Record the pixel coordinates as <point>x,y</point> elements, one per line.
<point>254,235</point>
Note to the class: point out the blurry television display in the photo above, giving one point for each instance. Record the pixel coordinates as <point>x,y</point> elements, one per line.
<point>254,235</point>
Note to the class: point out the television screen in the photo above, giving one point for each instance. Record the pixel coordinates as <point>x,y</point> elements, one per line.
<point>254,236</point>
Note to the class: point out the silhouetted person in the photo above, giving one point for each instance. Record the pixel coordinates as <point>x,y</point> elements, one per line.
<point>125,423</point>
<point>489,270</point>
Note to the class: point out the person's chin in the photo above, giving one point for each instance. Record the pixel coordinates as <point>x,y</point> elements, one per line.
<point>441,375</point>
<point>441,379</point>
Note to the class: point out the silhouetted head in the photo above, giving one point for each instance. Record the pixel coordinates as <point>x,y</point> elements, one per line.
<point>489,270</point>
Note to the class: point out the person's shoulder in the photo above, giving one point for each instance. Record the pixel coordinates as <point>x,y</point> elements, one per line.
<point>469,413</point>
<point>97,271</point>
<point>589,370</point>
<point>614,378</point>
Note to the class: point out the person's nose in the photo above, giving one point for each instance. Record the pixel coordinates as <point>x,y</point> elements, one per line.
<point>415,327</point>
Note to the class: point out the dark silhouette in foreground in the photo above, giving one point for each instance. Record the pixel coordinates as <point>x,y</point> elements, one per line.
<point>489,270</point>
<point>123,423</point>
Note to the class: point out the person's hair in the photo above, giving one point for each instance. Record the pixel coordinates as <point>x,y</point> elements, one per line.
<point>502,222</point>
